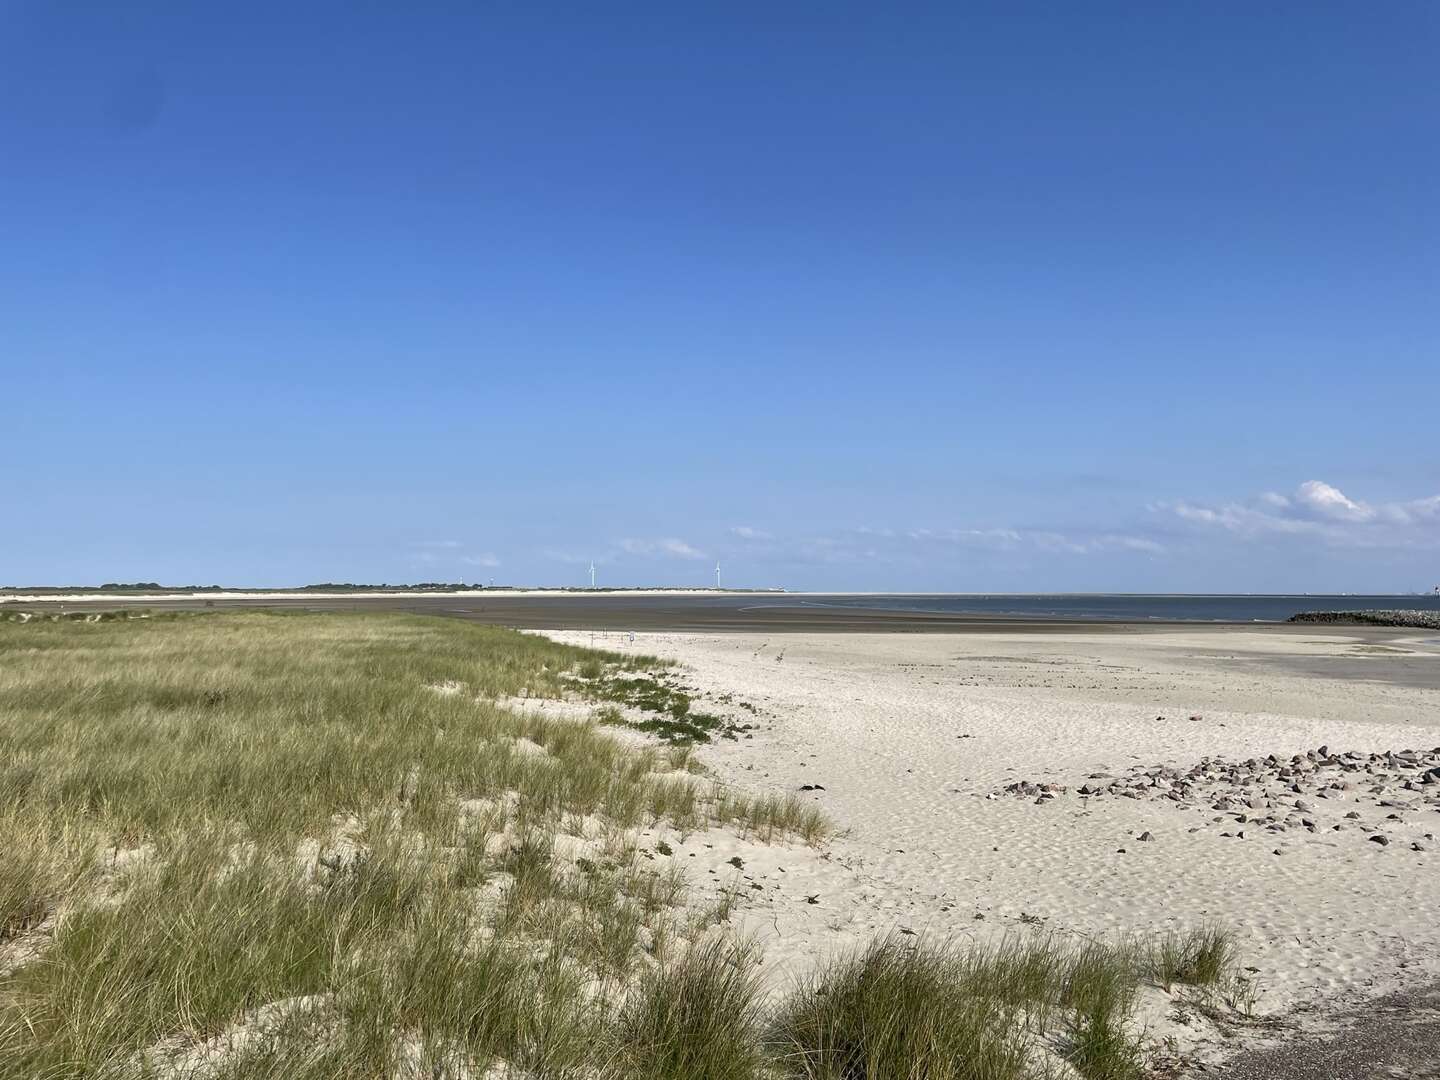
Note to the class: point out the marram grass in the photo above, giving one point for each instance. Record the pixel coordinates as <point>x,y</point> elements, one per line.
<point>203,816</point>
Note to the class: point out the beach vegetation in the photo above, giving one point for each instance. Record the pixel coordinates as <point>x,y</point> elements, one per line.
<point>898,1009</point>
<point>647,697</point>
<point>249,845</point>
<point>701,1018</point>
<point>1202,957</point>
<point>224,833</point>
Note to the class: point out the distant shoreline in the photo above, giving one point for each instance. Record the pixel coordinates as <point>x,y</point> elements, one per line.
<point>55,595</point>
<point>708,610</point>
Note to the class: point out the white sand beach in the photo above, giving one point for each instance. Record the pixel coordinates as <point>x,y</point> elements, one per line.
<point>909,742</point>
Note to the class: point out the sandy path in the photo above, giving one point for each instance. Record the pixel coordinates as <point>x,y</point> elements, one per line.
<point>912,735</point>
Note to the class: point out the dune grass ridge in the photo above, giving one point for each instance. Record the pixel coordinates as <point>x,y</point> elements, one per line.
<point>205,816</point>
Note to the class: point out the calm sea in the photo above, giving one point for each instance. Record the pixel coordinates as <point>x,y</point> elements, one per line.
<point>1127,606</point>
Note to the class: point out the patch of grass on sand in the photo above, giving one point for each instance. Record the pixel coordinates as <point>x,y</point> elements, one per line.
<point>1202,957</point>
<point>681,730</point>
<point>666,706</point>
<point>903,1008</point>
<point>699,1019</point>
<point>900,1010</point>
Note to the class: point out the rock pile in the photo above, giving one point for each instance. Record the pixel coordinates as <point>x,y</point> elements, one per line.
<point>1304,793</point>
<point>1420,620</point>
<point>1039,792</point>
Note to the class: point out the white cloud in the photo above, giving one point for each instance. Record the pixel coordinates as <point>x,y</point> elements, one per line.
<point>922,546</point>
<point>1323,512</point>
<point>1071,542</point>
<point>666,546</point>
<point>1236,518</point>
<point>1089,544</point>
<point>1133,543</point>
<point>1331,502</point>
<point>969,537</point>
<point>1423,509</point>
<point>745,532</point>
<point>448,553</point>
<point>564,556</point>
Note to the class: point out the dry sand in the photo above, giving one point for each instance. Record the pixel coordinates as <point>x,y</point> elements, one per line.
<point>914,738</point>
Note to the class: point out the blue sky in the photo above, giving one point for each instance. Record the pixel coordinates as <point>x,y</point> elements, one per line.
<point>952,297</point>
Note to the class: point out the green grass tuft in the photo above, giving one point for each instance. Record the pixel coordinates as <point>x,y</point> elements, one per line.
<point>897,1011</point>
<point>1202,957</point>
<point>699,1019</point>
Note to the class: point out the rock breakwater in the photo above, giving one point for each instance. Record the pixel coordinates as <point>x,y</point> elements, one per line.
<point>1420,620</point>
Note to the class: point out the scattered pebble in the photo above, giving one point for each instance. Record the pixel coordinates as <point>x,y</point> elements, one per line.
<point>1267,792</point>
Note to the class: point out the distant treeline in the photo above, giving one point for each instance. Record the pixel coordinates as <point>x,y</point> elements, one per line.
<point>339,587</point>
<point>153,586</point>
<point>422,586</point>
<point>138,586</point>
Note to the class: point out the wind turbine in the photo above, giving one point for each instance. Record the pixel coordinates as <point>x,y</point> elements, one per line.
<point>592,573</point>
<point>717,575</point>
